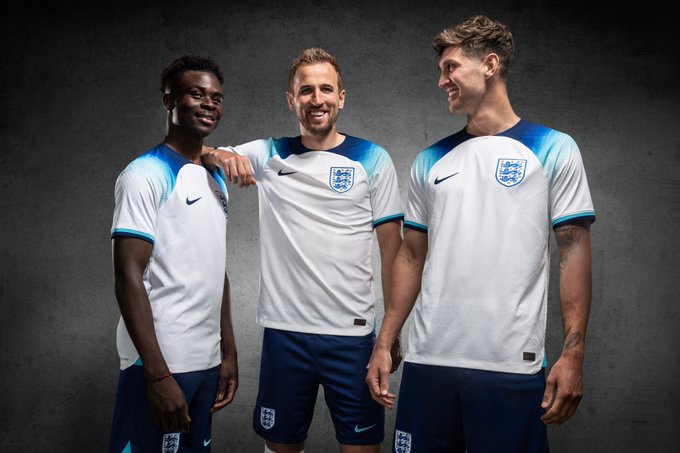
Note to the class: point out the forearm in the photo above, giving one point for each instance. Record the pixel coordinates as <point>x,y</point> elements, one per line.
<point>575,286</point>
<point>406,277</point>
<point>130,258</point>
<point>138,317</point>
<point>228,342</point>
<point>389,240</point>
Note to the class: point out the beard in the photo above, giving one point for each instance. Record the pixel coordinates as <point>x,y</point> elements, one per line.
<point>319,130</point>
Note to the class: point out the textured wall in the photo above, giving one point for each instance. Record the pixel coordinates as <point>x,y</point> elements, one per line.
<point>79,91</point>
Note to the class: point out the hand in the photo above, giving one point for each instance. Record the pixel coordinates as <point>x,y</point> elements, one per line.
<point>236,168</point>
<point>563,392</point>
<point>378,377</point>
<point>226,386</point>
<point>395,354</point>
<point>168,405</point>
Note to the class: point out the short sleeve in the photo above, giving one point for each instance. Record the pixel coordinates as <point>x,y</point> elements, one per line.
<point>258,152</point>
<point>384,187</point>
<point>416,206</point>
<point>139,192</point>
<point>569,192</point>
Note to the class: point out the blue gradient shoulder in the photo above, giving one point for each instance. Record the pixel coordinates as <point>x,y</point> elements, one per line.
<point>426,159</point>
<point>550,146</point>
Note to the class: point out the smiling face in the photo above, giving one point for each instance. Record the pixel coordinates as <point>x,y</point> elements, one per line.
<point>195,103</point>
<point>463,79</point>
<point>316,98</point>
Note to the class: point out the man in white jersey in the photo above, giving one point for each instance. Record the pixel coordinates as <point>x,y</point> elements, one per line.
<point>322,194</point>
<point>175,338</point>
<point>474,266</point>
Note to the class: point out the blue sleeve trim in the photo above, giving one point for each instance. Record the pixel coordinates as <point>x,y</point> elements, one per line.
<point>132,234</point>
<point>388,219</point>
<point>590,215</point>
<point>415,226</point>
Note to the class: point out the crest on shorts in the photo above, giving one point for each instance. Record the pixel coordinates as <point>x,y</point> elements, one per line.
<point>402,442</point>
<point>510,172</point>
<point>267,417</point>
<point>342,178</point>
<point>170,443</point>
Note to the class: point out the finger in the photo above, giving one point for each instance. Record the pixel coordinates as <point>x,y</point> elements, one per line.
<point>555,412</point>
<point>373,383</point>
<point>233,171</point>
<point>549,394</point>
<point>384,382</point>
<point>231,391</point>
<point>217,405</point>
<point>185,420</point>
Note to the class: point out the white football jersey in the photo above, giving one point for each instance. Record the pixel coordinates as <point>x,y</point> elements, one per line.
<point>180,208</point>
<point>318,210</point>
<point>487,205</point>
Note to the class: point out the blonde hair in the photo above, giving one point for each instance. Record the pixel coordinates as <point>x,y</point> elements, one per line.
<point>311,56</point>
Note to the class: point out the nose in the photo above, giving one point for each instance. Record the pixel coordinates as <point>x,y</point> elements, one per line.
<point>316,97</point>
<point>208,103</point>
<point>443,80</point>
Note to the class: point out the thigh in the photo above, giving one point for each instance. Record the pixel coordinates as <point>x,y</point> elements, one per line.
<point>199,388</point>
<point>502,411</point>
<point>342,361</point>
<point>428,416</point>
<point>287,389</point>
<point>133,427</point>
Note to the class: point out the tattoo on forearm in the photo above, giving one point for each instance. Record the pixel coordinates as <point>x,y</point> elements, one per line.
<point>572,339</point>
<point>568,237</point>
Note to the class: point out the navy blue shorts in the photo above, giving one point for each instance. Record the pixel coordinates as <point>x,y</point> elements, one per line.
<point>134,429</point>
<point>447,409</point>
<point>293,365</point>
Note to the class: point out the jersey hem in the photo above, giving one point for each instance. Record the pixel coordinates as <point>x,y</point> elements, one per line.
<point>123,232</point>
<point>415,226</point>
<point>586,215</point>
<point>350,331</point>
<point>476,365</point>
<point>388,219</point>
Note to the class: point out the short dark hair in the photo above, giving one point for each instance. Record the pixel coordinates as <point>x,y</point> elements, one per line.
<point>188,62</point>
<point>477,37</point>
<point>311,56</point>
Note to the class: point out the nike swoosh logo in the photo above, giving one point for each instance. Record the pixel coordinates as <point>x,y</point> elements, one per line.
<point>285,173</point>
<point>437,180</point>
<point>207,442</point>
<point>361,430</point>
<point>190,202</point>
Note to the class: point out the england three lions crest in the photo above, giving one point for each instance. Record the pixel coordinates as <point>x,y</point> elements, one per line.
<point>267,417</point>
<point>402,442</point>
<point>342,178</point>
<point>510,172</point>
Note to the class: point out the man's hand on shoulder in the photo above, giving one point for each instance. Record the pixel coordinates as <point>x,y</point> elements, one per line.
<point>236,168</point>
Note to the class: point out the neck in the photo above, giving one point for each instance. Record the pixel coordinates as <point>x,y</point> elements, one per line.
<point>321,143</point>
<point>186,145</point>
<point>494,114</point>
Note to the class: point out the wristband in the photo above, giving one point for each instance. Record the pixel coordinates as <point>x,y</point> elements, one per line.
<point>163,376</point>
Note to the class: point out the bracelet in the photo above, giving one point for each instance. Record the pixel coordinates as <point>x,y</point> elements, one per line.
<point>163,376</point>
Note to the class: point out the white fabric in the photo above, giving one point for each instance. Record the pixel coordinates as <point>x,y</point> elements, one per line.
<point>182,210</point>
<point>317,213</point>
<point>487,205</point>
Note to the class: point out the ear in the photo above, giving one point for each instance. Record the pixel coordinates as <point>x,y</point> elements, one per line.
<point>291,100</point>
<point>168,102</point>
<point>341,104</point>
<point>492,64</point>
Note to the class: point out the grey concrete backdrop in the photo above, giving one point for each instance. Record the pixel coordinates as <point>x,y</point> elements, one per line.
<point>79,96</point>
